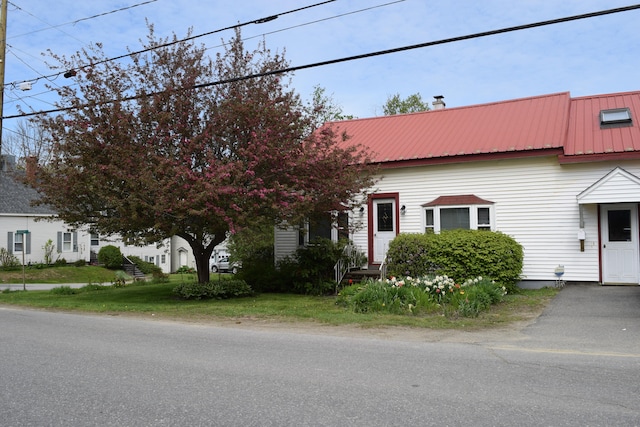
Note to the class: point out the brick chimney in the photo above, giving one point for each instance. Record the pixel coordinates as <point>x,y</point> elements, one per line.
<point>439,104</point>
<point>31,168</point>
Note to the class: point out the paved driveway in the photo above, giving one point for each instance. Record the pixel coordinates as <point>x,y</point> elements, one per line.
<point>590,319</point>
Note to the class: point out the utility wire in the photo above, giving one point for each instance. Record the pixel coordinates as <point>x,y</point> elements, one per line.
<point>355,57</point>
<point>15,84</point>
<point>77,20</point>
<point>255,21</point>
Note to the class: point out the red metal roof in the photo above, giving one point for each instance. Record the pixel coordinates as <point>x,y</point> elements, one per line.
<point>587,141</point>
<point>520,125</point>
<point>554,123</point>
<point>465,199</point>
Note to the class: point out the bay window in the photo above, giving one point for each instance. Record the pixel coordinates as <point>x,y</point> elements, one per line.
<point>466,212</point>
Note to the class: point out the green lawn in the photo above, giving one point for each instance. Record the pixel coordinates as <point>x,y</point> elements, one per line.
<point>158,300</point>
<point>66,274</point>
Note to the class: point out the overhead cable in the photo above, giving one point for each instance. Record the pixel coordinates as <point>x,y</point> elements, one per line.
<point>355,57</point>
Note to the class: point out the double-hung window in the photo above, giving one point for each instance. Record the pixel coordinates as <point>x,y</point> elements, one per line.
<point>67,241</point>
<point>332,226</point>
<point>467,212</point>
<point>19,242</point>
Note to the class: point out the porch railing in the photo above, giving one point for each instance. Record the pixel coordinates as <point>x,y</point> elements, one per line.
<point>346,263</point>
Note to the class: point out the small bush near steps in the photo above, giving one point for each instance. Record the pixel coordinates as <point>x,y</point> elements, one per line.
<point>422,295</point>
<point>217,289</point>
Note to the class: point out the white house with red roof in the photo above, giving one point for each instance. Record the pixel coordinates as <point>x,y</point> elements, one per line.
<point>561,175</point>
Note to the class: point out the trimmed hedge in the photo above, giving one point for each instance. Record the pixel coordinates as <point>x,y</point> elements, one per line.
<point>109,256</point>
<point>462,254</point>
<point>219,289</point>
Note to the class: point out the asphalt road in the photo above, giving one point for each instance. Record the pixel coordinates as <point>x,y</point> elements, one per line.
<point>577,365</point>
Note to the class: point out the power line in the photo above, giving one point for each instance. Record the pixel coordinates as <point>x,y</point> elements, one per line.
<point>355,57</point>
<point>255,21</point>
<point>15,83</point>
<point>77,20</point>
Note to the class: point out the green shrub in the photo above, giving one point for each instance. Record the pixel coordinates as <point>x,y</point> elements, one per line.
<point>409,255</point>
<point>60,262</point>
<point>159,277</point>
<point>64,290</point>
<point>219,289</point>
<point>466,254</point>
<point>145,266</point>
<point>110,256</point>
<point>185,269</point>
<point>253,246</point>
<point>311,269</point>
<point>93,287</point>
<point>8,260</point>
<point>463,254</point>
<point>80,263</point>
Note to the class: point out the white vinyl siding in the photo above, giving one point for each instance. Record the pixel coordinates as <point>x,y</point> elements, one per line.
<point>285,242</point>
<point>534,202</point>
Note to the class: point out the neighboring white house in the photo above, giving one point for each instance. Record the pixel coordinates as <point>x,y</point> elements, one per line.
<point>561,175</point>
<point>18,215</point>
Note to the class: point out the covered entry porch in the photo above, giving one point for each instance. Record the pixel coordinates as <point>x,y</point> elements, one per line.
<point>617,196</point>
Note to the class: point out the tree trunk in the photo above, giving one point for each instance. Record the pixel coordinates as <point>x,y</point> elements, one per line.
<point>202,254</point>
<point>202,264</point>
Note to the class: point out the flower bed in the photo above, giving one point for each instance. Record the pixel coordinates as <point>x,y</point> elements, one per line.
<point>422,295</point>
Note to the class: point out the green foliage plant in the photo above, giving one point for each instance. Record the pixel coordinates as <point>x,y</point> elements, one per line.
<point>408,295</point>
<point>411,104</point>
<point>218,289</point>
<point>145,266</point>
<point>48,248</point>
<point>110,256</point>
<point>466,254</point>
<point>8,260</point>
<point>185,269</point>
<point>64,290</point>
<point>310,270</point>
<point>409,254</point>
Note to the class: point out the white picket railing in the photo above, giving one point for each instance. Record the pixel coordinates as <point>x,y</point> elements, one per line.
<point>346,263</point>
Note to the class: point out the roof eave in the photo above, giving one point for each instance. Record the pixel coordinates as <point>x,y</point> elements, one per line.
<point>394,164</point>
<point>599,157</point>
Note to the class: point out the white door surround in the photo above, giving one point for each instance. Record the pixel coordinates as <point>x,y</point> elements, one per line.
<point>620,259</point>
<point>383,225</point>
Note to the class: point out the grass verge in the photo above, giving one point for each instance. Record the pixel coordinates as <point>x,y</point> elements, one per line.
<point>66,274</point>
<point>147,299</point>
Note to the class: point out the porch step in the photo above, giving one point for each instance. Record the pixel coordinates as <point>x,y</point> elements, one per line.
<point>131,269</point>
<point>357,276</point>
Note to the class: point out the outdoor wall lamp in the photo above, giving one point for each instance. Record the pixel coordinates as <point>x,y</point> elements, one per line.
<point>403,209</point>
<point>361,210</point>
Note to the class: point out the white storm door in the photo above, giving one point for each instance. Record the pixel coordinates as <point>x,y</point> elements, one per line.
<point>619,226</point>
<point>384,227</point>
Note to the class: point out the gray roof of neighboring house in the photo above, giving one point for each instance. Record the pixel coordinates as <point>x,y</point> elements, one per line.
<point>16,197</point>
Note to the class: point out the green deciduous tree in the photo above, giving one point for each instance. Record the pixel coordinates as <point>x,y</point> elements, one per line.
<point>152,149</point>
<point>410,104</point>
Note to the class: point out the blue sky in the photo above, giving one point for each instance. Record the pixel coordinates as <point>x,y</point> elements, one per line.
<point>587,57</point>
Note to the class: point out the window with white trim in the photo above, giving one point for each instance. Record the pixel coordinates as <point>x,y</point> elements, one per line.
<point>95,239</point>
<point>18,244</point>
<point>442,214</point>
<point>333,226</point>
<point>67,241</point>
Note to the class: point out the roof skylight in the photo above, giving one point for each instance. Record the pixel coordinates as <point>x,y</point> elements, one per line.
<point>615,116</point>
